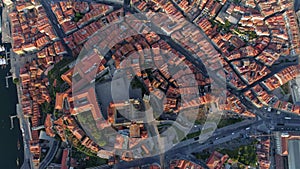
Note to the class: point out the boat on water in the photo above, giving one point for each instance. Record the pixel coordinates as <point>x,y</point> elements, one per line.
<point>18,145</point>
<point>18,162</point>
<point>3,62</point>
<point>2,48</point>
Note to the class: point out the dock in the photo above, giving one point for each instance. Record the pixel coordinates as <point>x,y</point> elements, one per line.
<point>6,56</point>
<point>6,80</point>
<point>4,62</point>
<point>12,121</point>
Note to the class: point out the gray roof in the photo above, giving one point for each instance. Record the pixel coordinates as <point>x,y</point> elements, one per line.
<point>294,154</point>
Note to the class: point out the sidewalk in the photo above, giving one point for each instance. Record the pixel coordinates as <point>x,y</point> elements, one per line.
<point>6,33</point>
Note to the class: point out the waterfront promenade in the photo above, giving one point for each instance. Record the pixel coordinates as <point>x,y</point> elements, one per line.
<point>25,128</point>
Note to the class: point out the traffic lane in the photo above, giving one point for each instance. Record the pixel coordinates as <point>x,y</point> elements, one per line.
<point>188,148</point>
<point>220,133</point>
<point>49,155</point>
<point>192,144</point>
<point>287,128</point>
<point>290,122</point>
<point>241,126</point>
<point>217,140</point>
<point>198,127</point>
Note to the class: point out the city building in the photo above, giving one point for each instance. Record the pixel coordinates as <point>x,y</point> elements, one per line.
<point>287,145</point>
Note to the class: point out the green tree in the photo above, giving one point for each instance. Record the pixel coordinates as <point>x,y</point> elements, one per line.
<point>16,81</point>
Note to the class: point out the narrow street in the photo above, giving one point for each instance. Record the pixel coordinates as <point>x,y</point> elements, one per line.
<point>55,25</point>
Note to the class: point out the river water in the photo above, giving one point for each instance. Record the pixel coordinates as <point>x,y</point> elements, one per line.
<point>9,138</point>
<point>9,152</point>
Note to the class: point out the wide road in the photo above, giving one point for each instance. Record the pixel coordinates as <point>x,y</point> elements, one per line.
<point>54,145</point>
<point>189,146</point>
